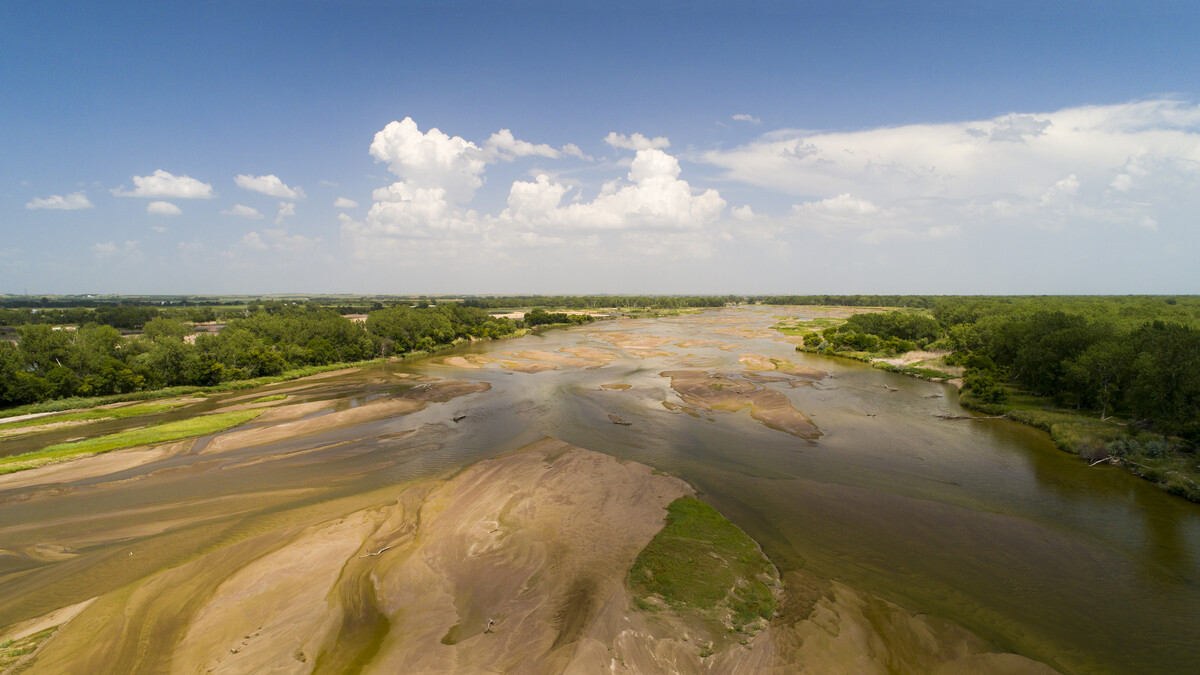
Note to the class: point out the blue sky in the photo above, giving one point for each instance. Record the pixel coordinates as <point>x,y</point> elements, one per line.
<point>675,147</point>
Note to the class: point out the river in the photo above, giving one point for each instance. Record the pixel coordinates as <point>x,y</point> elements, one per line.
<point>982,522</point>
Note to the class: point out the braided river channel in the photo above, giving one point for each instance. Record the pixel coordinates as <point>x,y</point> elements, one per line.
<point>840,471</point>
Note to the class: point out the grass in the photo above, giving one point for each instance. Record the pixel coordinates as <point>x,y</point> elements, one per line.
<point>160,433</point>
<point>95,414</point>
<point>11,651</point>
<point>269,398</point>
<point>702,562</point>
<point>802,327</point>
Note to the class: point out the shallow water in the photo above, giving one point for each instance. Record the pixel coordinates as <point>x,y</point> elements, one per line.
<point>982,522</point>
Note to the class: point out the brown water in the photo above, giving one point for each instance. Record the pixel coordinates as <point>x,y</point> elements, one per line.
<point>985,523</point>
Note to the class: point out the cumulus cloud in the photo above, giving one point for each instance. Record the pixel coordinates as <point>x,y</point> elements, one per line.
<point>423,215</point>
<point>71,202</point>
<point>431,159</point>
<point>653,198</point>
<point>159,228</point>
<point>502,144</point>
<point>343,203</point>
<point>269,185</point>
<point>164,184</point>
<point>163,209</point>
<point>1112,165</point>
<point>636,141</point>
<point>742,117</point>
<point>242,211</point>
<point>286,210</point>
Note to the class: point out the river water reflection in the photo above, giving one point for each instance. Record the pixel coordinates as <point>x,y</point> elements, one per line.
<point>983,522</point>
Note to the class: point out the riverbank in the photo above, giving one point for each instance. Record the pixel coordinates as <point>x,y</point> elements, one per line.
<point>1115,440</point>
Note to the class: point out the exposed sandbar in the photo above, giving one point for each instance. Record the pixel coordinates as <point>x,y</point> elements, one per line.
<point>706,391</point>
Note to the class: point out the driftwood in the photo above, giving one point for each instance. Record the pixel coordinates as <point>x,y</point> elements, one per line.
<point>890,387</point>
<point>460,417</point>
<point>618,420</point>
<point>372,555</point>
<point>948,416</point>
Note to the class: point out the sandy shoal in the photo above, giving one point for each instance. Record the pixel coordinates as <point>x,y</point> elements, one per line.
<point>766,363</point>
<point>271,429</point>
<point>706,391</point>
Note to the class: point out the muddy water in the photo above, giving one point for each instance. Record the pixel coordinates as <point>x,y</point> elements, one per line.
<point>983,522</point>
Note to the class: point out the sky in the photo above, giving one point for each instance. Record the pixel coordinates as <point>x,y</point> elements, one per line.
<point>367,146</point>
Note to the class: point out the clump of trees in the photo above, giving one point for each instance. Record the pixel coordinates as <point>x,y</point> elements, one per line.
<point>540,317</point>
<point>893,332</point>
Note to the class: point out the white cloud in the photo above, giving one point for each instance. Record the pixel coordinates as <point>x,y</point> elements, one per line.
<point>242,211</point>
<point>343,203</point>
<point>71,202</point>
<point>654,198</point>
<point>1112,165</point>
<point>1061,190</point>
<point>636,141</point>
<point>574,151</point>
<point>163,209</point>
<point>421,218</point>
<point>276,239</point>
<point>742,117</point>
<point>1017,128</point>
<point>503,145</point>
<point>431,159</point>
<point>286,210</point>
<point>269,185</point>
<point>327,183</point>
<point>109,249</point>
<point>253,240</point>
<point>164,184</point>
<point>159,228</point>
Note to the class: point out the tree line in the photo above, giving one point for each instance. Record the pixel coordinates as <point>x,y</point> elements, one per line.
<point>96,360</point>
<point>1135,355</point>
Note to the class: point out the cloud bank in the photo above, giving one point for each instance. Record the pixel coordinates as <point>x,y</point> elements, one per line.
<point>1120,165</point>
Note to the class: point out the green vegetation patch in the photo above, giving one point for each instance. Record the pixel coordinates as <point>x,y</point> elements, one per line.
<point>160,433</point>
<point>915,371</point>
<point>12,651</point>
<point>95,415</point>
<point>702,562</point>
<point>269,398</point>
<point>791,326</point>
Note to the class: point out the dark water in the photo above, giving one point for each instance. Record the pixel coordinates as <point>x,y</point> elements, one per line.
<point>985,523</point>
